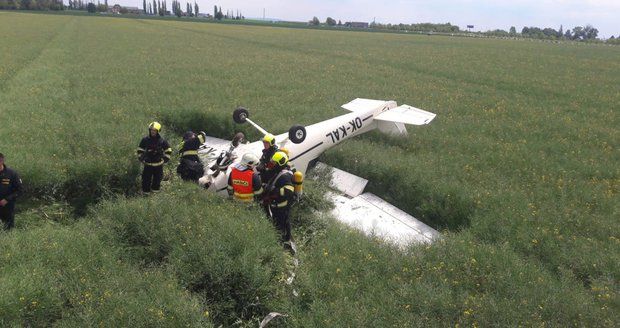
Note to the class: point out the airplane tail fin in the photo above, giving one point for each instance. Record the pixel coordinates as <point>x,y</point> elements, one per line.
<point>393,119</point>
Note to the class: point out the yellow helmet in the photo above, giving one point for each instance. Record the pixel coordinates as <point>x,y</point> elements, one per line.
<point>269,138</point>
<point>279,158</point>
<point>155,126</point>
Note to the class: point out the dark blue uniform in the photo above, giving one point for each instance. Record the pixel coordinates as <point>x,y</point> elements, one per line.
<point>279,197</point>
<point>153,152</point>
<point>190,168</point>
<point>10,186</point>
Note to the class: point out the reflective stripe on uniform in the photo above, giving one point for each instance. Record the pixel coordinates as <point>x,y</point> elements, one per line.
<point>259,191</point>
<point>154,164</point>
<point>167,153</point>
<point>243,197</point>
<point>140,150</point>
<point>282,204</point>
<point>189,152</point>
<point>289,187</point>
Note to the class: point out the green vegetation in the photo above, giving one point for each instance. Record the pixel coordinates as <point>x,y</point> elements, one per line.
<point>519,171</point>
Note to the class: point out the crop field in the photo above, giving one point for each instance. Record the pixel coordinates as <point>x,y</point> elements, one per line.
<point>520,172</point>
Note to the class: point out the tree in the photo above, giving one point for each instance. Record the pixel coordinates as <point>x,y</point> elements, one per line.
<point>144,6</point>
<point>330,21</point>
<point>590,32</point>
<point>525,31</point>
<point>513,31</point>
<point>315,21</point>
<point>196,8</point>
<point>568,35</point>
<point>550,33</point>
<point>218,13</point>
<point>155,12</point>
<point>91,7</point>
<point>560,32</point>
<point>578,33</point>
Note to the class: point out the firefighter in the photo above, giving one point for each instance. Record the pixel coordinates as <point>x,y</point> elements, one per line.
<point>279,196</point>
<point>10,186</point>
<point>153,152</point>
<point>190,168</point>
<point>243,182</point>
<point>298,177</point>
<point>269,148</point>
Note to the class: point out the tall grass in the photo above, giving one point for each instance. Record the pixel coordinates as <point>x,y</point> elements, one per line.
<point>224,253</point>
<point>519,169</point>
<point>66,276</point>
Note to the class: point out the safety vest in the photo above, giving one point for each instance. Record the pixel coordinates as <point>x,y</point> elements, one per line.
<point>242,184</point>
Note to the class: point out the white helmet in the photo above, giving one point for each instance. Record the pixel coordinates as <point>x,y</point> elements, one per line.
<point>249,159</point>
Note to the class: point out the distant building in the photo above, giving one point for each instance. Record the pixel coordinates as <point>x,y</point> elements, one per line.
<point>134,10</point>
<point>356,24</point>
<point>118,9</point>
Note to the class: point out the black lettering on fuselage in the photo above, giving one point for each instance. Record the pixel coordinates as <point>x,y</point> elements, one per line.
<point>343,130</point>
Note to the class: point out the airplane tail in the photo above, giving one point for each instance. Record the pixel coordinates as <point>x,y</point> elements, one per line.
<point>393,119</point>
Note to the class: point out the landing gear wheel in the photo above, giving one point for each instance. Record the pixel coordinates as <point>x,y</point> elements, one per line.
<point>240,114</point>
<point>297,134</point>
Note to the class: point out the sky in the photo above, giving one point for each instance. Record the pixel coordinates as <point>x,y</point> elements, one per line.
<point>483,14</point>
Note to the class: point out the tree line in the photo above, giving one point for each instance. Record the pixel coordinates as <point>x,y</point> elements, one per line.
<point>578,33</point>
<point>586,33</point>
<point>421,27</point>
<point>32,4</point>
<point>230,14</point>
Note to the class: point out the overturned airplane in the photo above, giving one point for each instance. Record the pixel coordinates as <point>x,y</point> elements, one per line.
<point>363,211</point>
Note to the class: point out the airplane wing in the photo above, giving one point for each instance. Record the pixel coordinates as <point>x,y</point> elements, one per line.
<point>371,214</point>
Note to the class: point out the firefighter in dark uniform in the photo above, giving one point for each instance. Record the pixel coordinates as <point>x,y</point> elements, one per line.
<point>269,148</point>
<point>190,168</point>
<point>243,182</point>
<point>279,196</point>
<point>10,186</point>
<point>153,152</point>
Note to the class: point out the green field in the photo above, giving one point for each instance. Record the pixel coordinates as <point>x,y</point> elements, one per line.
<point>520,171</point>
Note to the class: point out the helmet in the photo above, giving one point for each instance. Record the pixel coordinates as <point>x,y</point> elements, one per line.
<point>280,158</point>
<point>249,159</point>
<point>284,150</point>
<point>155,126</point>
<point>270,139</point>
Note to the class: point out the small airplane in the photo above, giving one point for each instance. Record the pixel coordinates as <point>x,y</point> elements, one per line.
<point>306,144</point>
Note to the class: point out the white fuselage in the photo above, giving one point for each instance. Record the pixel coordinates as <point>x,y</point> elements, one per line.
<point>319,138</point>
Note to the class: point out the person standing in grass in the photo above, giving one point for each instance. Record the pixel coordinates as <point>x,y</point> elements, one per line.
<point>153,151</point>
<point>279,196</point>
<point>10,186</point>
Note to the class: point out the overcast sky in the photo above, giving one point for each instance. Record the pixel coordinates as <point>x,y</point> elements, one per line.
<point>483,14</point>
